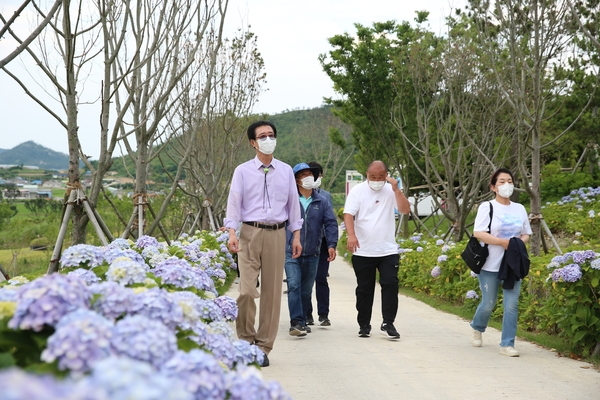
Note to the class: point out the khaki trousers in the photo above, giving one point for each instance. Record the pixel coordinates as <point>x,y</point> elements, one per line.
<point>262,252</point>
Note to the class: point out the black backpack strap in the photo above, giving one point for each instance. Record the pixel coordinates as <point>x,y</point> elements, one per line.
<point>491,215</point>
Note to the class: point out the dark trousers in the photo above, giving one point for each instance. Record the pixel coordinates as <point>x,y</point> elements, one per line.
<point>365,270</point>
<point>321,284</point>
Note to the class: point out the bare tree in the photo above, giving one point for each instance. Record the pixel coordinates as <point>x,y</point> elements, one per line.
<point>524,40</point>
<point>214,134</point>
<point>34,34</point>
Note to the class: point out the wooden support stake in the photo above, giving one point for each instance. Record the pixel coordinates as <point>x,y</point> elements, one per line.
<point>53,266</point>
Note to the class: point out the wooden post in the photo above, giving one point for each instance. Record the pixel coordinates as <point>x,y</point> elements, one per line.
<point>53,266</point>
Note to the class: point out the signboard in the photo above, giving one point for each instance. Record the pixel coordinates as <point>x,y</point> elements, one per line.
<point>353,178</point>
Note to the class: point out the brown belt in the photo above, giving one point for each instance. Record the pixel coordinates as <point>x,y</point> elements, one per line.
<point>269,227</point>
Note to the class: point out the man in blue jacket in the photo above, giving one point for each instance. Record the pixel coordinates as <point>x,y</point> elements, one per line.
<point>301,272</point>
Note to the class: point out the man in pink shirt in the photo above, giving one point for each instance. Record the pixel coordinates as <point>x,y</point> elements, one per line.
<point>263,196</point>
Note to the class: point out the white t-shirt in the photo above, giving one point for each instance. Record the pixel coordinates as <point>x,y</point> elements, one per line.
<point>374,221</point>
<point>507,221</point>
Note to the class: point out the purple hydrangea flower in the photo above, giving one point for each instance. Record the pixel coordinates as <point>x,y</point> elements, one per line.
<point>436,271</point>
<point>246,353</point>
<point>112,300</point>
<point>126,271</point>
<point>247,383</point>
<point>416,239</point>
<point>228,306</point>
<point>419,249</point>
<point>580,257</point>
<point>471,294</point>
<point>442,258</point>
<point>82,255</point>
<point>222,237</point>
<point>147,241</point>
<point>201,373</point>
<point>216,272</point>
<point>88,276</point>
<point>157,304</point>
<point>474,275</point>
<point>445,248</point>
<point>439,242</point>
<point>47,299</point>
<point>180,273</point>
<point>126,378</point>
<point>144,339</point>
<point>81,339</point>
<point>568,273</point>
<point>201,333</point>
<point>595,264</point>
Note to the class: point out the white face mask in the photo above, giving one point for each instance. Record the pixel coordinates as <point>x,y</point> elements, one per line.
<point>267,146</point>
<point>308,182</point>
<point>317,183</point>
<point>376,185</point>
<point>506,190</point>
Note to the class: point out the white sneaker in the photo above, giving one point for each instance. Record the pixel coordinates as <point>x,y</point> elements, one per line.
<point>476,342</point>
<point>509,351</point>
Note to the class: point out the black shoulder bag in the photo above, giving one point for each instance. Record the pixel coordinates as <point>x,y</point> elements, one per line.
<point>475,254</point>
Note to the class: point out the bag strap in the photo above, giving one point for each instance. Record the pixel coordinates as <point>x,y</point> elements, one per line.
<point>491,215</point>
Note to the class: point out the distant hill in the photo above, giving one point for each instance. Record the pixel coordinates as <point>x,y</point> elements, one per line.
<point>31,153</point>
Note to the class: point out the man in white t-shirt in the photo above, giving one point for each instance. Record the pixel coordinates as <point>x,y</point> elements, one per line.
<point>370,223</point>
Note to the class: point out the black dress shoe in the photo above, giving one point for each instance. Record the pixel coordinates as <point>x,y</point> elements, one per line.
<point>265,362</point>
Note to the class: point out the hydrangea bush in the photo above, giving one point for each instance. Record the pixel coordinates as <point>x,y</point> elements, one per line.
<point>130,320</point>
<point>575,281</point>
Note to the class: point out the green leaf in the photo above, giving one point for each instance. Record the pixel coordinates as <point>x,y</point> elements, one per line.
<point>579,335</point>
<point>187,344</point>
<point>6,360</point>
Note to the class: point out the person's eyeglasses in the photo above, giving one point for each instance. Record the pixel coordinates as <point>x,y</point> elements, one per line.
<point>263,138</point>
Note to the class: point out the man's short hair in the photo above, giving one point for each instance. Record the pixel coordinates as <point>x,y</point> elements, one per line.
<point>252,129</point>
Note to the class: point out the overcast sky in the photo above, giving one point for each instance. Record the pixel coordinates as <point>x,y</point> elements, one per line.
<point>291,35</point>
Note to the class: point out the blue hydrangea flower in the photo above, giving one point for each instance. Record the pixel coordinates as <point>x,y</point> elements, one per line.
<point>157,304</point>
<point>9,293</point>
<point>247,383</point>
<point>47,299</point>
<point>216,272</point>
<point>591,214</point>
<point>246,353</point>
<point>436,271</point>
<point>222,237</point>
<point>471,294</point>
<point>82,255</point>
<point>222,328</point>
<point>126,378</point>
<point>144,339</point>
<point>202,374</point>
<point>419,249</point>
<point>88,276</point>
<point>190,305</point>
<point>222,349</point>
<point>112,300</point>
<point>81,339</point>
<point>201,333</point>
<point>112,253</point>
<point>442,258</point>
<point>126,271</point>
<point>120,243</point>
<point>474,275</point>
<point>210,311</point>
<point>595,264</point>
<point>17,384</point>
<point>416,238</point>
<point>228,306</point>
<point>439,242</point>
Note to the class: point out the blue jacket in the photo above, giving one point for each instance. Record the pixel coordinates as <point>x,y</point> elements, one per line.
<point>318,215</point>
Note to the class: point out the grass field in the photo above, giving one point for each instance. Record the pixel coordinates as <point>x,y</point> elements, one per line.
<point>30,263</point>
